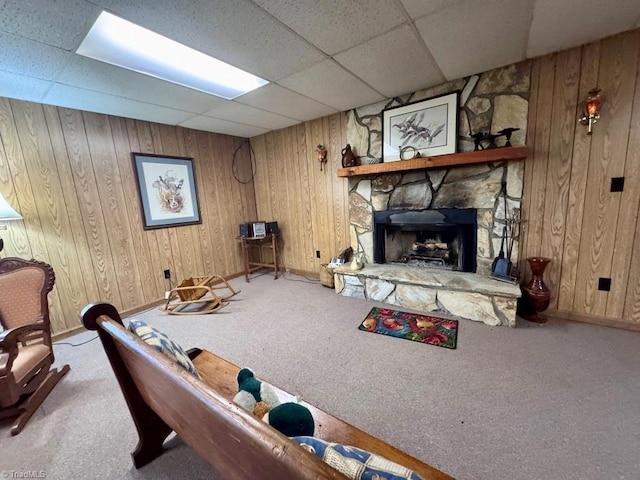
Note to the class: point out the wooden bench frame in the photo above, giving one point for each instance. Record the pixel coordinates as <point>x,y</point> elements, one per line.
<point>163,397</point>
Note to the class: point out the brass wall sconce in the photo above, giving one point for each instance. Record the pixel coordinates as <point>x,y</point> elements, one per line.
<point>591,113</point>
<point>322,156</point>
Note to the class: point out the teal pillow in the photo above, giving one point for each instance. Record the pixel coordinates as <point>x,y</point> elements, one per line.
<point>163,344</point>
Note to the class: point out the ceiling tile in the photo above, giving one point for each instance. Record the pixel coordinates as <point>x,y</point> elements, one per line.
<point>222,126</point>
<point>474,37</point>
<point>59,23</point>
<point>332,25</point>
<point>376,53</point>
<point>22,87</point>
<point>72,97</point>
<point>394,63</point>
<point>237,112</point>
<point>420,8</point>
<point>590,18</point>
<point>101,77</point>
<point>329,83</point>
<point>237,32</point>
<point>277,99</point>
<point>31,58</point>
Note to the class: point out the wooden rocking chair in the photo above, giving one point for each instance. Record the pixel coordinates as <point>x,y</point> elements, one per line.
<point>197,296</point>
<point>26,351</point>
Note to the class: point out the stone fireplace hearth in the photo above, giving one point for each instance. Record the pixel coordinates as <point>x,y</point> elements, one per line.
<point>467,295</point>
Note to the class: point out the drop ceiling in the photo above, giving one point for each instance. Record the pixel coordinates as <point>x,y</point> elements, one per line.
<point>321,56</point>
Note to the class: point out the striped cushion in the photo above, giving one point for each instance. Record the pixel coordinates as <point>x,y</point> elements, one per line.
<point>355,463</point>
<point>163,344</point>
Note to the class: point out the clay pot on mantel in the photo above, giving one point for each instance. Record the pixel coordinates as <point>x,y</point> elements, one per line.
<point>349,159</point>
<point>535,294</point>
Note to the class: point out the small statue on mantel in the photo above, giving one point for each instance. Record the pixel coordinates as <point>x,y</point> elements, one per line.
<point>322,155</point>
<point>507,132</point>
<point>480,137</point>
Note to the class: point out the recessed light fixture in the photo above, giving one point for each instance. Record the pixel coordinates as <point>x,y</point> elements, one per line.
<point>124,44</point>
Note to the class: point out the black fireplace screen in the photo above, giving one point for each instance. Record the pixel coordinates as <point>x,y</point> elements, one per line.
<point>444,238</point>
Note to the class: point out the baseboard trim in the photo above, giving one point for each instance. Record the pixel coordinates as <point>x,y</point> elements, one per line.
<point>123,314</point>
<point>593,319</point>
<point>304,273</point>
<point>56,337</point>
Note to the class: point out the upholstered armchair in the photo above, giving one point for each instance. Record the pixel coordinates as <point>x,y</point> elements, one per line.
<point>26,352</point>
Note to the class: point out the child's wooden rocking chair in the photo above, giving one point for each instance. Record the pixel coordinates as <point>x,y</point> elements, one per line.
<point>197,295</point>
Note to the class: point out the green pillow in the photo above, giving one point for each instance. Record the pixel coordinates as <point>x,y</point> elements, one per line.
<point>163,344</point>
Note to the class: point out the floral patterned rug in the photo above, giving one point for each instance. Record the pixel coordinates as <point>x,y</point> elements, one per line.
<point>441,332</point>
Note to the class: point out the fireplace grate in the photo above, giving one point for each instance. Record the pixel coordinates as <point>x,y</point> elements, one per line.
<point>424,261</point>
<point>442,238</point>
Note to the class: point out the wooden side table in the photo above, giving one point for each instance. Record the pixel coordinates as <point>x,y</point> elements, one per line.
<point>259,244</point>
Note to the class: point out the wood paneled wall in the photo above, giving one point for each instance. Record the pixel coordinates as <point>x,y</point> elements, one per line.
<point>70,175</point>
<point>588,231</point>
<point>310,206</point>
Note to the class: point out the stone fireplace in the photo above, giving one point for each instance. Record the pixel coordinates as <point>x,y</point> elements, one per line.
<point>460,209</point>
<point>428,237</point>
<point>466,195</point>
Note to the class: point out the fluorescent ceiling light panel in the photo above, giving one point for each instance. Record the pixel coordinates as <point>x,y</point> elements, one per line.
<point>124,44</point>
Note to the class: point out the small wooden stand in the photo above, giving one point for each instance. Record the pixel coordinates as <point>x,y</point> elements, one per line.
<point>259,243</point>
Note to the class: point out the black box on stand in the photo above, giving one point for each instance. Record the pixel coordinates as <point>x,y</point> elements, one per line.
<point>246,230</point>
<point>272,227</point>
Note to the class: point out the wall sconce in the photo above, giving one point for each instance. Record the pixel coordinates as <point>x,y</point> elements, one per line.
<point>6,213</point>
<point>322,155</point>
<point>591,110</point>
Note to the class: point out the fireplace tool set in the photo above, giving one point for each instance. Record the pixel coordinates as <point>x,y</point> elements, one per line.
<point>502,266</point>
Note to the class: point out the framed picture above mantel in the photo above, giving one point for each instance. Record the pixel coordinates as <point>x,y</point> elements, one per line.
<point>424,128</point>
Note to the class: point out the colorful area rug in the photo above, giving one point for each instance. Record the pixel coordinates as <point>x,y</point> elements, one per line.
<point>441,332</point>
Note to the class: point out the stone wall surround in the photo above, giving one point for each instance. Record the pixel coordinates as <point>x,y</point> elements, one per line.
<point>488,102</point>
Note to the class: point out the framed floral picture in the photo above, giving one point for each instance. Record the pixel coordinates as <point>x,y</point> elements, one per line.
<point>428,127</point>
<point>167,189</point>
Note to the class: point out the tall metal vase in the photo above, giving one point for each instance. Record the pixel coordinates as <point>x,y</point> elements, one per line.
<point>535,294</point>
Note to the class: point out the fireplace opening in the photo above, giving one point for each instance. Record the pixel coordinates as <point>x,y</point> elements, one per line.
<point>442,238</point>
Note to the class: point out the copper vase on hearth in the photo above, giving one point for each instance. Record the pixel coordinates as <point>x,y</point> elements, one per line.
<point>535,294</point>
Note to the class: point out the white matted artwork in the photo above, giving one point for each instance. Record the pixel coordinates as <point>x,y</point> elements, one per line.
<point>167,190</point>
<point>429,127</point>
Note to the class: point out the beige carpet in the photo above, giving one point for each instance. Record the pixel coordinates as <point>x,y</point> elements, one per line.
<point>557,401</point>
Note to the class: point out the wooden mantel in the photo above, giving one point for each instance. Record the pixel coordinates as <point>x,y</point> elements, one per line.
<point>499,154</point>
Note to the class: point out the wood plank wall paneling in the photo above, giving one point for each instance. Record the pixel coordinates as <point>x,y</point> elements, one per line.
<point>578,184</point>
<point>631,200</point>
<point>563,114</point>
<point>70,175</point>
<point>617,77</point>
<point>309,205</point>
<point>572,216</point>
<point>628,167</point>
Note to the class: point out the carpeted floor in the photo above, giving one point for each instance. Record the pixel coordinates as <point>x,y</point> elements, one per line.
<point>553,401</point>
